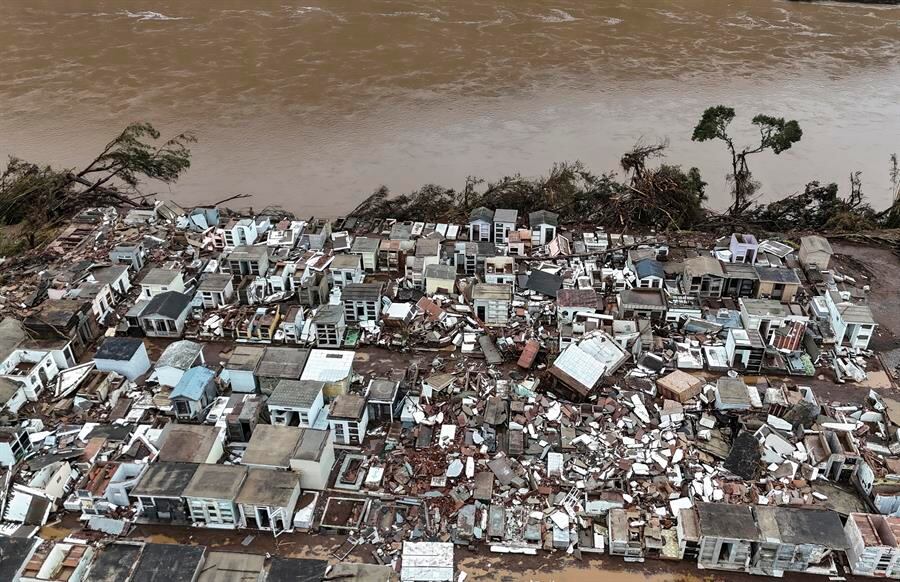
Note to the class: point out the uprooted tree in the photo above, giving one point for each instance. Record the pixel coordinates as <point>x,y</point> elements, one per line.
<point>817,207</point>
<point>776,134</point>
<point>662,197</point>
<point>38,197</point>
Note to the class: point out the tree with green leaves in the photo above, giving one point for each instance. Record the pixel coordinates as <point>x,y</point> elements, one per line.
<point>775,133</point>
<point>38,197</point>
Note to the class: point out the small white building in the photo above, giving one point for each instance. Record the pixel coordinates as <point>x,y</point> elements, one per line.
<point>346,269</point>
<point>815,252</point>
<point>99,294</point>
<point>316,233</point>
<point>240,232</point>
<point>743,247</point>
<point>239,370</point>
<point>14,445</point>
<point>246,260</point>
<point>873,545</point>
<point>348,418</point>
<point>481,224</point>
<point>367,249</point>
<point>415,270</point>
<point>130,255</point>
<point>492,303</point>
<point>281,278</point>
<point>211,495</point>
<point>500,271</point>
<point>362,301</point>
<point>333,367</point>
<point>649,274</point>
<point>329,325</point>
<point>286,234</point>
<point>853,324</point>
<point>383,399</point>
<point>543,224</point>
<point>33,369</point>
<point>193,393</point>
<point>268,499</point>
<point>766,316</point>
<point>12,395</point>
<point>504,223</point>
<point>159,280</point>
<point>123,355</point>
<point>116,276</point>
<point>178,358</point>
<point>703,276</point>
<point>313,458</point>
<point>165,315</point>
<point>296,402</point>
<point>440,279</point>
<point>190,443</point>
<point>215,290</point>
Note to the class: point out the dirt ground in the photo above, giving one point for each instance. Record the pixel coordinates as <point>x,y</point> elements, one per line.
<point>478,565</point>
<point>882,268</point>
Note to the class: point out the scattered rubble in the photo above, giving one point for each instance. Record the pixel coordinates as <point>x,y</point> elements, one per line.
<point>415,387</point>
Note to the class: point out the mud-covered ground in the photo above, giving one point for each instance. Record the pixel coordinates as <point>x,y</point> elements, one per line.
<point>478,565</point>
<point>882,267</point>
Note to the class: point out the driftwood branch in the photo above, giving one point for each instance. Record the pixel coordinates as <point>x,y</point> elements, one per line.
<point>229,199</point>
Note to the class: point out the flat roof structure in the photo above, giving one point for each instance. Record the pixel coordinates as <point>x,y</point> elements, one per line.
<point>724,520</point>
<point>163,479</point>
<point>364,244</point>
<point>381,390</point>
<point>578,298</point>
<point>160,276</point>
<point>119,349</point>
<point>328,365</point>
<point>362,291</point>
<point>296,393</point>
<point>427,562</point>
<point>312,444</point>
<point>348,407</point>
<point>268,487</point>
<point>282,362</point>
<point>506,215</point>
<point>298,570</point>
<point>214,282</point>
<point>245,358</point>
<point>272,446</point>
<point>248,253</point>
<point>14,554</point>
<point>328,315</point>
<point>169,563</point>
<point>187,443</point>
<point>231,567</point>
<point>346,262</point>
<point>216,482</point>
<point>114,563</point>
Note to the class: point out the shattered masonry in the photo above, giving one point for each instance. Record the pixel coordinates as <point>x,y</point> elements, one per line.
<point>510,384</point>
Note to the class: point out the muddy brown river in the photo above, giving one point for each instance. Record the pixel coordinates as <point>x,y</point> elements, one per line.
<point>312,104</point>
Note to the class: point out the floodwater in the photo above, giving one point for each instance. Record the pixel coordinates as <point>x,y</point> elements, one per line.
<point>313,104</point>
